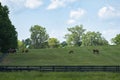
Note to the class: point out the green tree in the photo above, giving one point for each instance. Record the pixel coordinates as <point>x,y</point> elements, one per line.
<point>93,39</point>
<point>53,42</point>
<point>27,42</point>
<point>75,35</point>
<point>116,40</point>
<point>64,43</point>
<point>20,44</point>
<point>39,36</point>
<point>8,34</point>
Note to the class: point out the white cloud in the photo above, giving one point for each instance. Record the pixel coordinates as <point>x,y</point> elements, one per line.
<point>55,4</point>
<point>33,3</point>
<point>108,12</point>
<point>3,2</point>
<point>71,21</point>
<point>13,4</point>
<point>76,15</point>
<point>59,3</point>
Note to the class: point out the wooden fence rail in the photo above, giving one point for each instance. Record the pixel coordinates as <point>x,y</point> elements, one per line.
<point>62,68</point>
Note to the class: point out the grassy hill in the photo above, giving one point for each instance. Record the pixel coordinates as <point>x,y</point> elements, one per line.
<point>109,55</point>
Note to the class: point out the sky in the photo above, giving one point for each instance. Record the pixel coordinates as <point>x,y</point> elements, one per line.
<point>58,15</point>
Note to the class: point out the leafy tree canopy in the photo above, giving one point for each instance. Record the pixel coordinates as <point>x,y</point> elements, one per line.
<point>75,35</point>
<point>8,34</point>
<point>64,43</point>
<point>93,39</point>
<point>116,40</point>
<point>53,42</point>
<point>39,36</point>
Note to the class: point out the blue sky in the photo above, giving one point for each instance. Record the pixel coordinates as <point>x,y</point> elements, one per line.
<point>57,15</point>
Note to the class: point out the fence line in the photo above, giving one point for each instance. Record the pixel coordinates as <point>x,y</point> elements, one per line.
<point>62,68</point>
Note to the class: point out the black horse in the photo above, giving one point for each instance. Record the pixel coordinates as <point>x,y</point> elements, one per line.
<point>95,51</point>
<point>71,51</point>
<point>12,50</point>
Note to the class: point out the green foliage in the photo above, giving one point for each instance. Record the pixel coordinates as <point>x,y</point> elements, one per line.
<point>36,75</point>
<point>20,44</point>
<point>93,39</point>
<point>78,37</point>
<point>64,44</point>
<point>116,40</point>
<point>8,35</point>
<point>27,43</point>
<point>53,43</point>
<point>39,36</point>
<point>75,36</point>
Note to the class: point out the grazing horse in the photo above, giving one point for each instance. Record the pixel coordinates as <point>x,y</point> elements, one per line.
<point>95,51</point>
<point>26,50</point>
<point>71,51</point>
<point>12,50</point>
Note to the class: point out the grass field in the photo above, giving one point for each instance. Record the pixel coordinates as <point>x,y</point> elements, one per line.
<point>58,76</point>
<point>109,55</point>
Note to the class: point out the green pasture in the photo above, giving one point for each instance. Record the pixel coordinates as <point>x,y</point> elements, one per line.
<point>109,55</point>
<point>59,76</point>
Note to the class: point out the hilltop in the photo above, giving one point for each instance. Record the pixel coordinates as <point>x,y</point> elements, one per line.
<point>109,55</point>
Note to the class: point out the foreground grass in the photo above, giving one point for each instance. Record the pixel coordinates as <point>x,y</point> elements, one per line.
<point>109,55</point>
<point>58,76</point>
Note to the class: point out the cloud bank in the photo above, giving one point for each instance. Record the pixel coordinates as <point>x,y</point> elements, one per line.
<point>75,15</point>
<point>59,3</point>
<point>32,4</point>
<point>108,12</point>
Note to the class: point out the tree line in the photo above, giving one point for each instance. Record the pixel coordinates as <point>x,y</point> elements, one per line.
<point>76,37</point>
<point>39,37</point>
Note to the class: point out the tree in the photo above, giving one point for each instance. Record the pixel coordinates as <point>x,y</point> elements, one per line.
<point>53,42</point>
<point>27,42</point>
<point>8,34</point>
<point>20,43</point>
<point>116,40</point>
<point>64,43</point>
<point>75,36</point>
<point>93,39</point>
<point>39,36</point>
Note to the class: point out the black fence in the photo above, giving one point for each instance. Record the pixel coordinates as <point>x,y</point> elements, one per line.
<point>61,68</point>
